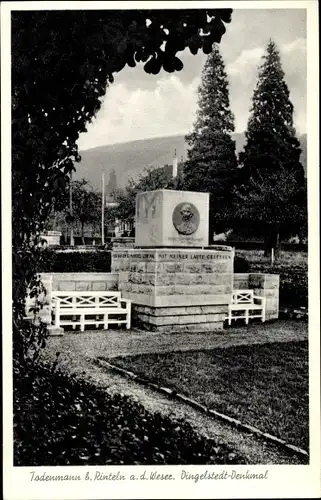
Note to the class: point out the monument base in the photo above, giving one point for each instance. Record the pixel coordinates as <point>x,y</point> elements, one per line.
<point>55,331</point>
<point>176,289</point>
<point>179,319</point>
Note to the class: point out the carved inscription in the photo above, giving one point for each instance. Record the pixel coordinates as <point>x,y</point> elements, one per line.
<point>190,256</point>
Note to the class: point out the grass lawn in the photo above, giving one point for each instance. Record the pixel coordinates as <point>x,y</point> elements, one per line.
<point>263,385</point>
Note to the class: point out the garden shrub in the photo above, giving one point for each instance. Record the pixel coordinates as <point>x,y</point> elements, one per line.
<point>241,265</point>
<point>76,261</point>
<point>255,244</point>
<point>63,420</point>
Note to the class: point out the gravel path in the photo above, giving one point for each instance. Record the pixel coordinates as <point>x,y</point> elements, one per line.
<point>79,351</point>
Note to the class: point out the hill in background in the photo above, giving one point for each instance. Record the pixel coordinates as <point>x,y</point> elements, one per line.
<point>131,158</point>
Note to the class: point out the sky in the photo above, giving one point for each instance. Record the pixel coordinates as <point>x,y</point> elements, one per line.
<point>140,106</point>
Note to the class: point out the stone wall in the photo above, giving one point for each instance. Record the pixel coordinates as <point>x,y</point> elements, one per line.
<point>84,281</point>
<point>69,282</point>
<point>264,285</point>
<point>267,285</point>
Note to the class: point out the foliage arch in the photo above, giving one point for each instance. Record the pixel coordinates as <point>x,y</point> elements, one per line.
<point>60,71</point>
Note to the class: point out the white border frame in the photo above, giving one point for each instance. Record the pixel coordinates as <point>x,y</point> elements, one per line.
<point>283,481</point>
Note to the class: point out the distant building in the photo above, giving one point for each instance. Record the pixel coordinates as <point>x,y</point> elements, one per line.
<point>119,228</point>
<point>112,183</point>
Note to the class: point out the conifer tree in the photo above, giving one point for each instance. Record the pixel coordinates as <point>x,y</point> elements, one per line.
<point>211,162</point>
<point>271,197</point>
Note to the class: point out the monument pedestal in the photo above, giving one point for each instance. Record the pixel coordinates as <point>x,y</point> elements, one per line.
<point>174,281</point>
<point>176,289</point>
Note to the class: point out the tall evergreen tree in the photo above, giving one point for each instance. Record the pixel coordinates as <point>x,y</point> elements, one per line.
<point>271,197</point>
<point>211,161</point>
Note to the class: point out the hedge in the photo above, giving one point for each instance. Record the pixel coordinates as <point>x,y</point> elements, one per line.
<point>76,261</point>
<point>241,265</point>
<point>63,420</point>
<point>260,245</point>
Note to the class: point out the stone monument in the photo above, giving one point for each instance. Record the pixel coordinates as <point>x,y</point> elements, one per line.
<point>167,218</point>
<point>176,282</point>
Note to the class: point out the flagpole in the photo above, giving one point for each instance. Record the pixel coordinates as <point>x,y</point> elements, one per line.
<point>103,209</point>
<point>72,242</point>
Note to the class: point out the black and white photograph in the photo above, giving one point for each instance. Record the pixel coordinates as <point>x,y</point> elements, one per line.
<point>159,211</point>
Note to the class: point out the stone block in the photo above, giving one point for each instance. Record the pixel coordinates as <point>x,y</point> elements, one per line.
<point>140,267</point>
<point>133,277</point>
<point>119,260</point>
<point>190,328</point>
<point>176,320</point>
<point>256,280</point>
<point>148,279</point>
<point>214,309</point>
<point>67,286</point>
<point>171,218</point>
<point>115,266</point>
<point>192,268</point>
<point>178,327</point>
<point>271,303</point>
<point>195,279</point>
<point>219,279</point>
<point>266,292</point>
<point>271,293</point>
<point>123,276</point>
<point>216,267</point>
<point>83,286</point>
<point>214,318</point>
<point>55,331</point>
<point>191,279</point>
<point>99,286</point>
<point>183,310</point>
<point>126,287</point>
<point>272,282</point>
<point>151,267</point>
<point>191,300</point>
<point>124,265</point>
<point>241,281</point>
<point>142,289</point>
<point>167,279</point>
<point>271,315</point>
<point>271,309</point>
<point>172,267</point>
<point>112,286</point>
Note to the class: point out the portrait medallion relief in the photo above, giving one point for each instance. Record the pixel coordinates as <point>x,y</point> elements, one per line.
<point>186,218</point>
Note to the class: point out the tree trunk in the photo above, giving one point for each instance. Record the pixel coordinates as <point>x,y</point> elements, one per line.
<point>82,233</point>
<point>272,240</point>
